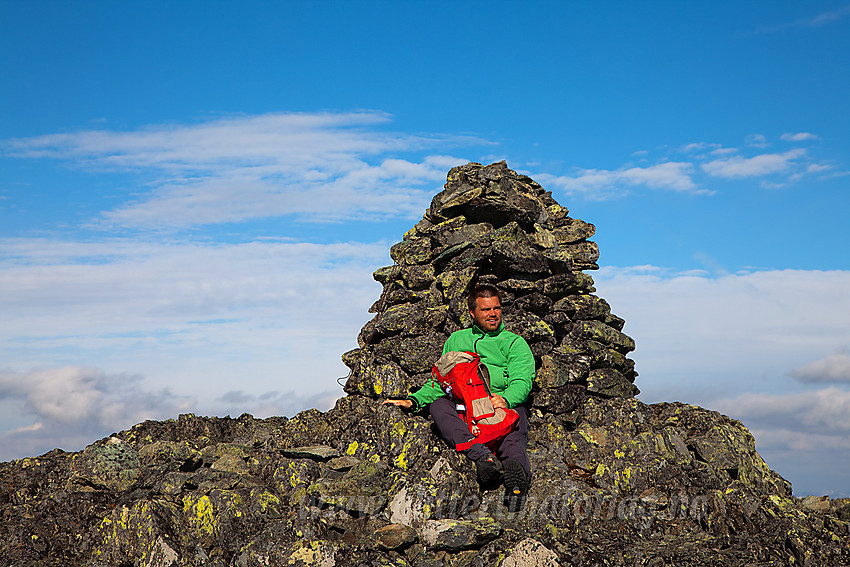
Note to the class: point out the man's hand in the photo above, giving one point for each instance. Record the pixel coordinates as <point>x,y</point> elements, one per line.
<point>498,401</point>
<point>406,404</point>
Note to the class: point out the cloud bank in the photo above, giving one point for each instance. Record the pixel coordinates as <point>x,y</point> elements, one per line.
<point>693,169</point>
<point>71,406</point>
<point>833,368</point>
<point>324,166</point>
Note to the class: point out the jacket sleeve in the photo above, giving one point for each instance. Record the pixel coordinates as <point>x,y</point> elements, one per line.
<point>520,373</point>
<point>431,390</point>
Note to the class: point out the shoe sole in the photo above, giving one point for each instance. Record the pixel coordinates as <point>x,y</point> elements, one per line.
<point>516,486</point>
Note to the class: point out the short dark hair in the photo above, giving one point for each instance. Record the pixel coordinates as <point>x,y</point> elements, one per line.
<point>482,290</point>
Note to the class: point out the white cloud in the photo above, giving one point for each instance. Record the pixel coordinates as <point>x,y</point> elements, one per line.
<point>274,402</point>
<point>27,428</point>
<point>392,188</point>
<point>798,137</point>
<point>822,19</point>
<point>699,147</point>
<point>833,368</point>
<point>64,394</point>
<point>765,164</point>
<point>319,166</point>
<point>696,163</point>
<point>829,17</point>
<point>73,394</point>
<point>603,183</point>
<point>817,168</point>
<point>72,406</point>
<point>757,140</point>
<point>117,286</point>
<point>825,411</point>
<point>795,441</point>
<point>114,403</point>
<point>271,139</point>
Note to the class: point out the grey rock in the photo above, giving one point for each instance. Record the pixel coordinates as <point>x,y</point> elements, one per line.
<point>459,534</point>
<point>317,452</point>
<point>394,536</point>
<point>113,465</point>
<point>531,553</point>
<point>608,382</point>
<point>360,492</point>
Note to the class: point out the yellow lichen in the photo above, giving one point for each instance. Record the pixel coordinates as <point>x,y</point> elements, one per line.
<point>201,513</point>
<point>352,448</point>
<point>399,429</point>
<point>266,499</point>
<point>401,460</point>
<point>587,437</point>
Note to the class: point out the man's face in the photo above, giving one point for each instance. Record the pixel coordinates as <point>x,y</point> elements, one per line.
<point>487,313</point>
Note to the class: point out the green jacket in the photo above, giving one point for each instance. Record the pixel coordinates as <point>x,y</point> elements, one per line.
<point>506,355</point>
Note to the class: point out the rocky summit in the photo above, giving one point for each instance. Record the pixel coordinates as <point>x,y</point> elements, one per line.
<point>616,481</point>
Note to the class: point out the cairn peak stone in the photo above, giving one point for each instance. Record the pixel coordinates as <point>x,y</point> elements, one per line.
<point>616,482</point>
<point>493,194</point>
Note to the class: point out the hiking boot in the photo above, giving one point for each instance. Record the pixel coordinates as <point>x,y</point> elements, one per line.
<point>488,471</point>
<point>516,485</point>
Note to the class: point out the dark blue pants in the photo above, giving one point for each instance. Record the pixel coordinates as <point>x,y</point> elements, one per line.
<point>454,430</point>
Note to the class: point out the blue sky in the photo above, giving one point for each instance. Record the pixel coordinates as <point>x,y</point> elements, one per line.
<point>193,197</point>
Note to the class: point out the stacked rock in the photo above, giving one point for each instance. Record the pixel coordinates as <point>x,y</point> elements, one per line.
<point>491,225</point>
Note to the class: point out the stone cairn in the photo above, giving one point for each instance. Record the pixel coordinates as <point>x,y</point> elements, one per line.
<point>491,225</point>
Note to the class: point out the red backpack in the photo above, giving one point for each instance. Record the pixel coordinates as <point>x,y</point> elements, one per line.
<point>467,381</point>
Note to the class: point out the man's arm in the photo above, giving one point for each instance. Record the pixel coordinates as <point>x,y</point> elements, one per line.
<point>429,391</point>
<point>520,373</point>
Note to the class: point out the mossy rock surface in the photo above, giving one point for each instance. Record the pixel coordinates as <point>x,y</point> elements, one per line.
<point>616,482</point>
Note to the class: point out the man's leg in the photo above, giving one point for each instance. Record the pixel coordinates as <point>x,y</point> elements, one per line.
<point>453,429</point>
<point>514,445</point>
<point>517,468</point>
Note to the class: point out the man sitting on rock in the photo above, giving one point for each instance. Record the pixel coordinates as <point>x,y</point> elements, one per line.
<point>509,360</point>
